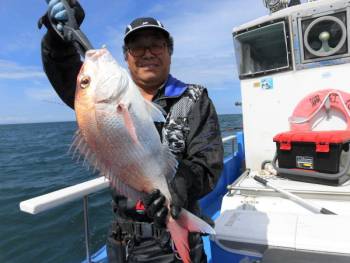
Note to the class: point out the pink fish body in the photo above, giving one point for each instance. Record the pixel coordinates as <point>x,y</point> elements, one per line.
<point>118,137</point>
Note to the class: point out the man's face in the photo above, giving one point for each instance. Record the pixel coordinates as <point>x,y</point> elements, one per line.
<point>148,59</point>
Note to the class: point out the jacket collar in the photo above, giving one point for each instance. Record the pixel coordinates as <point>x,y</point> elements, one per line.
<point>174,87</point>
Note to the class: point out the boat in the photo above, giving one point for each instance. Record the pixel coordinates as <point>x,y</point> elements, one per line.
<point>277,200</point>
<point>286,208</point>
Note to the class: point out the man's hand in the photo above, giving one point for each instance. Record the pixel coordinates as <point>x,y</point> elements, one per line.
<point>155,207</point>
<point>58,14</point>
<point>155,201</point>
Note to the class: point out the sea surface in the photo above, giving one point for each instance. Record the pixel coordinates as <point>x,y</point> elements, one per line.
<point>34,161</point>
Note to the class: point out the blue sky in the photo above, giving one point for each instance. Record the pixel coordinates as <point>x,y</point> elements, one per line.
<point>203,51</point>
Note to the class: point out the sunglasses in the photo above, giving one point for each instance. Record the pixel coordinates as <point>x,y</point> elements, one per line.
<point>155,48</point>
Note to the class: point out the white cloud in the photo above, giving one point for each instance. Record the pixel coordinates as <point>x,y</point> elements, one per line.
<point>13,119</point>
<point>21,41</point>
<point>114,42</point>
<point>207,28</point>
<point>12,71</point>
<point>158,8</point>
<point>203,40</point>
<point>211,71</point>
<point>9,119</point>
<point>202,32</point>
<point>42,94</point>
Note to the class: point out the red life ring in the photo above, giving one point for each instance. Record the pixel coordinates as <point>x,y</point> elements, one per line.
<point>305,111</point>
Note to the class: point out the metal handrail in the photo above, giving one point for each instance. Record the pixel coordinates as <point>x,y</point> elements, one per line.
<point>86,229</point>
<point>233,140</point>
<point>57,198</point>
<point>51,200</point>
<point>228,138</point>
<point>65,195</point>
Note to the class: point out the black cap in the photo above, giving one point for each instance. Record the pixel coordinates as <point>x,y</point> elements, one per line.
<point>144,22</point>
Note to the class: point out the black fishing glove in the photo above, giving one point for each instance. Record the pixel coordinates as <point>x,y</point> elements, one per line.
<point>155,201</point>
<point>59,15</point>
<point>155,207</point>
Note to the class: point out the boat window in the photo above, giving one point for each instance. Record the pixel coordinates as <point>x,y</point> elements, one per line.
<point>262,50</point>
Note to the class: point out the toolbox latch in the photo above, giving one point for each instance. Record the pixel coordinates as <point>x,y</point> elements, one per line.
<point>322,147</point>
<point>285,145</point>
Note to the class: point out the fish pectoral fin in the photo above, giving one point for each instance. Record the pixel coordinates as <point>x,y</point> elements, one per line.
<point>123,109</point>
<point>154,111</point>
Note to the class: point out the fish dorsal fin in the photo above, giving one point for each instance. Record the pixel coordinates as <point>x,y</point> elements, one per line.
<point>155,111</point>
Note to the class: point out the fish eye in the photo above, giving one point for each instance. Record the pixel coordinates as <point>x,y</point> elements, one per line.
<point>85,82</point>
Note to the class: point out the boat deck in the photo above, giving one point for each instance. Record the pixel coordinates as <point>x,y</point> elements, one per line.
<point>249,194</point>
<point>255,219</point>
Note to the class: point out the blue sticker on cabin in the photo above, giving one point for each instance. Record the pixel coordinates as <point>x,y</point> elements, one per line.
<point>266,83</point>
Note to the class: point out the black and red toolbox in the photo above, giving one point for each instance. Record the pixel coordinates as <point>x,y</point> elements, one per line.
<point>313,156</point>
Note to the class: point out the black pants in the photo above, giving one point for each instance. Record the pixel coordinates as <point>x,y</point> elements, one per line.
<point>151,249</point>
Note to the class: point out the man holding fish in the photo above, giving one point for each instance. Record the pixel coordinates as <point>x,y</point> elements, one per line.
<point>156,177</point>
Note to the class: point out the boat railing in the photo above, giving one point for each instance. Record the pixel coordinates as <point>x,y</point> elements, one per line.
<point>60,197</point>
<point>233,140</point>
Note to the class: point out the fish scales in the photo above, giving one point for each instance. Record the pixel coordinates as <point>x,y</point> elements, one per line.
<point>134,161</point>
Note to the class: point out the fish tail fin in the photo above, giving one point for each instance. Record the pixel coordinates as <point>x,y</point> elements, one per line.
<point>179,235</point>
<point>179,229</point>
<point>193,223</point>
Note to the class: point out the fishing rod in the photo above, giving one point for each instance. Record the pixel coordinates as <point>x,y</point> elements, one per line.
<point>71,33</point>
<point>70,30</point>
<point>293,197</point>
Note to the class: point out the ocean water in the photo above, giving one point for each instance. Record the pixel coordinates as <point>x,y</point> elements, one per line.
<point>34,161</point>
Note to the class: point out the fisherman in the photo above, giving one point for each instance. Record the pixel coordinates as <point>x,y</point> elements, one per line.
<point>191,130</point>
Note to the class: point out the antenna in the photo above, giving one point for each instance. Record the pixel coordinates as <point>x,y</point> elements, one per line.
<point>276,5</point>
